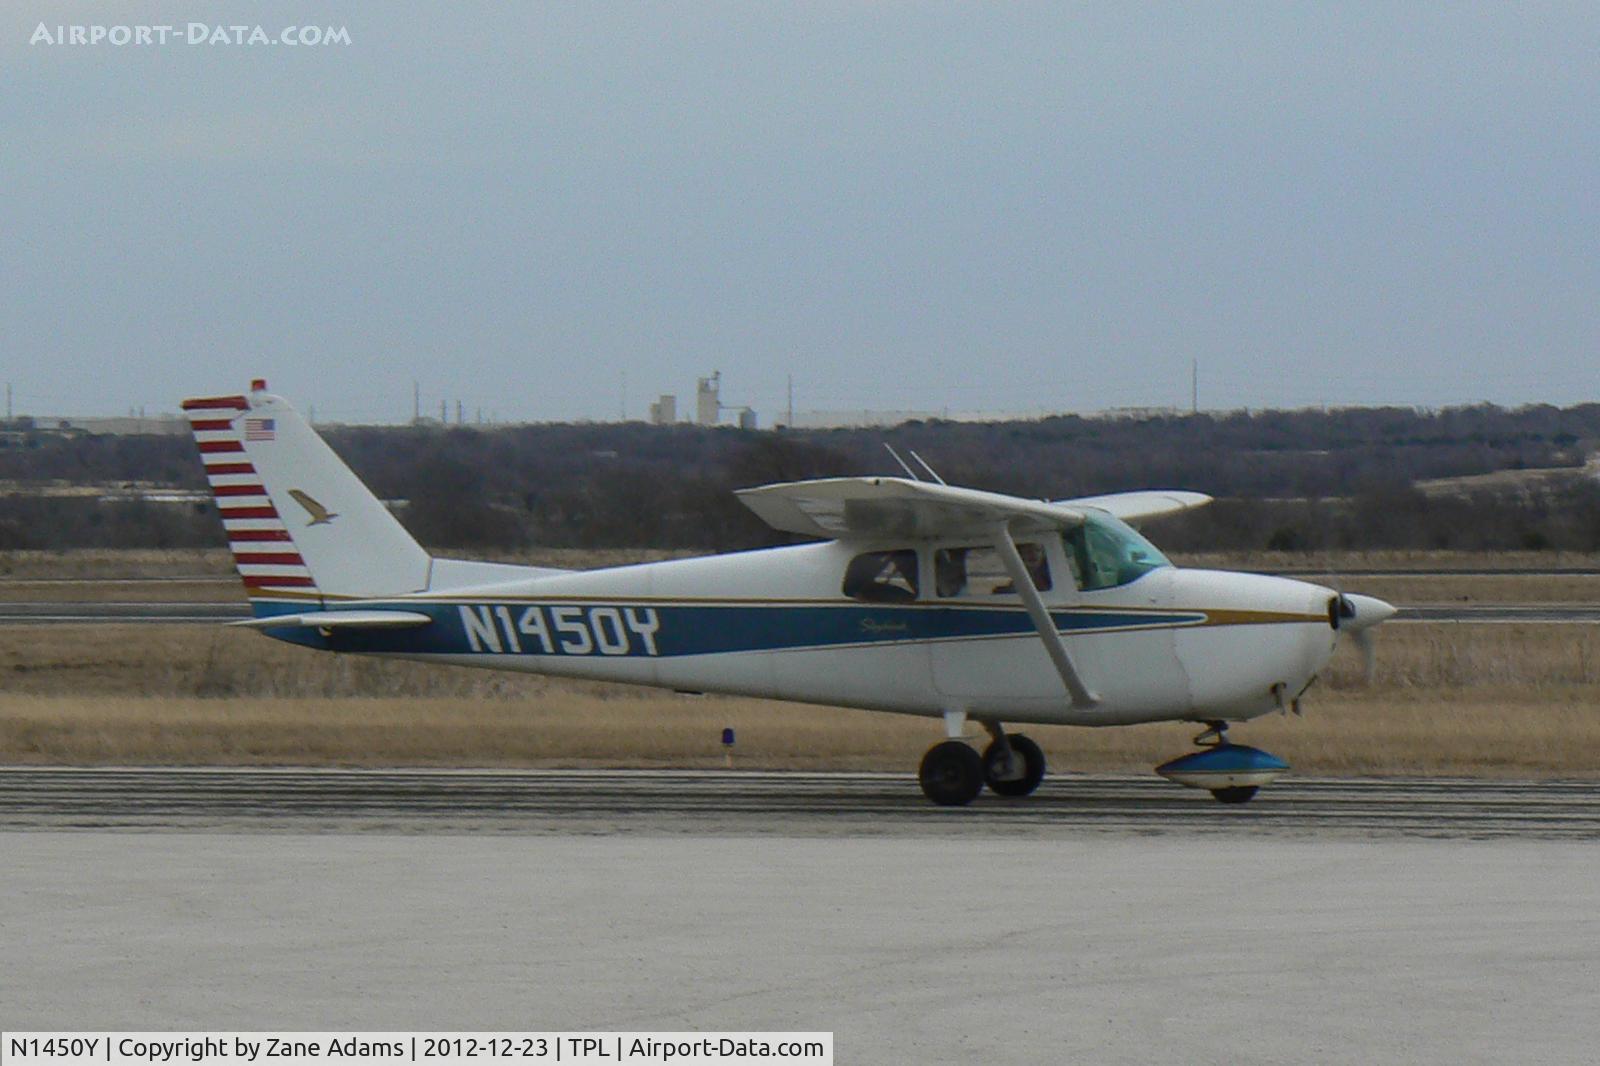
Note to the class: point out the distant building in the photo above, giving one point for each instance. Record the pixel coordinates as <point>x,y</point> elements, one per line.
<point>708,406</point>
<point>664,412</point>
<point>708,399</point>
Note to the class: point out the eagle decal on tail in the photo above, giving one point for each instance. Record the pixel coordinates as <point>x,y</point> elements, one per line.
<point>320,515</point>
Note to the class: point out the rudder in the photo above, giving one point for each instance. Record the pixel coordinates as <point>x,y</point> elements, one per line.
<point>300,524</point>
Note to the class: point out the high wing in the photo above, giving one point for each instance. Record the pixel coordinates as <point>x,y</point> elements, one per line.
<point>872,507</point>
<point>1136,507</point>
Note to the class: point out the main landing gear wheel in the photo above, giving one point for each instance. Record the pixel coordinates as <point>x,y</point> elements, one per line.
<point>1236,794</point>
<point>1013,772</point>
<point>951,774</point>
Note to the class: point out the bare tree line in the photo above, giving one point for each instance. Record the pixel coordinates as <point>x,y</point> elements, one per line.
<point>1289,480</point>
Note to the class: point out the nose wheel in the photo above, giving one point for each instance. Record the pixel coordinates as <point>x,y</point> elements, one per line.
<point>1232,773</point>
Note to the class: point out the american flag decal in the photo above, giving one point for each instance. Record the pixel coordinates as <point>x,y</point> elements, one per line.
<point>260,429</point>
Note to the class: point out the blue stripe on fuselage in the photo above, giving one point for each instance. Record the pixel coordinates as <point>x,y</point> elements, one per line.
<point>667,630</point>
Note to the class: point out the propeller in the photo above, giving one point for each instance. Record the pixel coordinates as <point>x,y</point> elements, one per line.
<point>1359,615</point>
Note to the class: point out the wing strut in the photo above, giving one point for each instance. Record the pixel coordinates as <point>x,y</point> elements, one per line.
<point>1022,581</point>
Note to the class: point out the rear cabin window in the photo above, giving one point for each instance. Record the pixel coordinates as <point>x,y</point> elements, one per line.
<point>882,577</point>
<point>978,571</point>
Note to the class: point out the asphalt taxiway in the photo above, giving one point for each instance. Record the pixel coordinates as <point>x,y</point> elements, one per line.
<point>1107,920</point>
<point>558,802</point>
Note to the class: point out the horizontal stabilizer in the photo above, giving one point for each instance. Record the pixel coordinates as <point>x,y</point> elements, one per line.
<point>340,620</point>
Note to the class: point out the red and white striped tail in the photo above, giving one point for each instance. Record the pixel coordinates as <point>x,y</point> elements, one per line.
<point>264,552</point>
<point>302,526</point>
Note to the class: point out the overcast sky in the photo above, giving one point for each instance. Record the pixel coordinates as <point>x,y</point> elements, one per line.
<point>934,206</point>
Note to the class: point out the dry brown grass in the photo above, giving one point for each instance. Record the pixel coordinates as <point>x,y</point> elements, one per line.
<point>214,661</point>
<point>1523,481</point>
<point>1483,732</point>
<point>1506,732</point>
<point>562,727</point>
<point>1540,660</point>
<point>1513,700</point>
<point>125,590</point>
<point>115,564</point>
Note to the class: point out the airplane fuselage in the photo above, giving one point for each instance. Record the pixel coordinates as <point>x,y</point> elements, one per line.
<point>1169,644</point>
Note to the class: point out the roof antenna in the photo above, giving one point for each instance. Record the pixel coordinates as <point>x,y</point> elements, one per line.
<point>931,471</point>
<point>910,472</point>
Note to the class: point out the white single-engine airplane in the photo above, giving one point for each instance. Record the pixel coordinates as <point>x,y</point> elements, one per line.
<point>921,599</point>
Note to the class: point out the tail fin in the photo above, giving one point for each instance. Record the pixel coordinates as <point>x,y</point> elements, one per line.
<point>301,525</point>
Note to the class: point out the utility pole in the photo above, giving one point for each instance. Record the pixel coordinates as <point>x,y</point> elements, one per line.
<point>790,422</point>
<point>416,401</point>
<point>8,401</point>
<point>1194,386</point>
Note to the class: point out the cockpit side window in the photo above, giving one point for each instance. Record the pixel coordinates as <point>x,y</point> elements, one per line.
<point>978,571</point>
<point>882,577</point>
<point>1106,552</point>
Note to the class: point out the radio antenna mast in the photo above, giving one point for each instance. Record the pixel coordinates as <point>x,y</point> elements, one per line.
<point>912,474</point>
<point>931,471</point>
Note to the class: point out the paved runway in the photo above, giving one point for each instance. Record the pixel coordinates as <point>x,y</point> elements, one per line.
<point>103,613</point>
<point>1314,572</point>
<point>1568,614</point>
<point>561,802</point>
<point>39,613</point>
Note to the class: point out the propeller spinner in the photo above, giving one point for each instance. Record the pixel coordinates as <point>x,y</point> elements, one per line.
<point>1358,615</point>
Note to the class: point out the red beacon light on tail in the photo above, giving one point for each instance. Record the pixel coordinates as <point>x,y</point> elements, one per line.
<point>258,385</point>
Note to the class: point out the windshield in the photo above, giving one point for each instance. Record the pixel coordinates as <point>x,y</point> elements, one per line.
<point>1105,552</point>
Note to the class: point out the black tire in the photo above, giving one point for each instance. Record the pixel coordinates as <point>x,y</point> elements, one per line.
<point>951,774</point>
<point>1237,794</point>
<point>1033,766</point>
